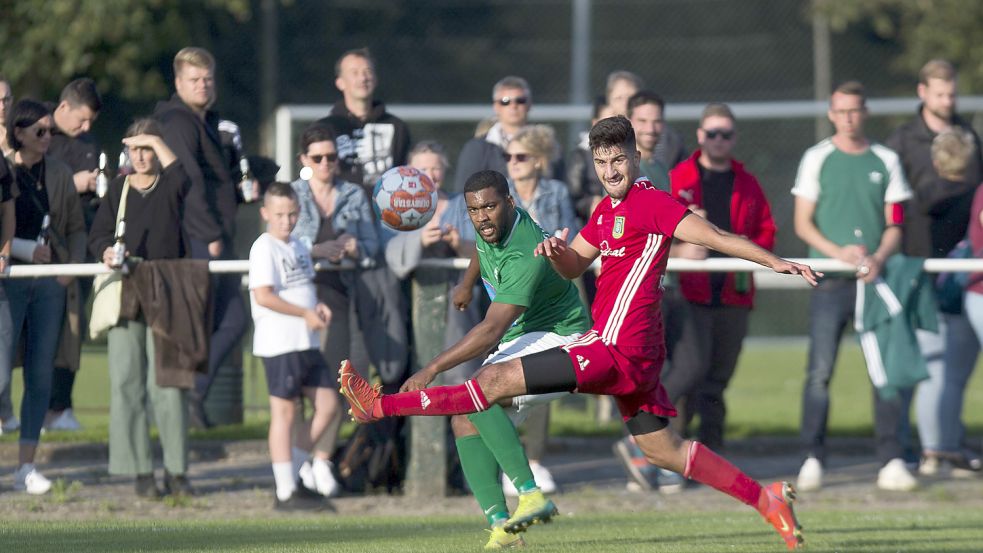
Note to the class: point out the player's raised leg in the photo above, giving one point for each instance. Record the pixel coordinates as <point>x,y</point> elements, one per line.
<point>666,449</point>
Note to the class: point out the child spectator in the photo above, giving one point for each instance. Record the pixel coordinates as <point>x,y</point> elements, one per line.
<point>286,319</point>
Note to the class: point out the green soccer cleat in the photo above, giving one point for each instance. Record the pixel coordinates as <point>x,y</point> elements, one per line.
<point>500,539</point>
<point>533,508</point>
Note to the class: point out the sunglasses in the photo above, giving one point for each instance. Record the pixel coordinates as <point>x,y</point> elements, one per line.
<point>506,100</point>
<point>521,158</point>
<point>714,133</point>
<point>318,158</point>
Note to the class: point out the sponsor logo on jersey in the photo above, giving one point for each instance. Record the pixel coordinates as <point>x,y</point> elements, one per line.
<point>876,177</point>
<point>424,400</point>
<point>583,362</point>
<point>606,250</point>
<point>619,227</point>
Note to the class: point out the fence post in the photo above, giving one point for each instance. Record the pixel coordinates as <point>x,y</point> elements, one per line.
<point>426,475</point>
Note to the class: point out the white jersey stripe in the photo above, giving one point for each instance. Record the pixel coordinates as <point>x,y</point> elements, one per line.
<point>584,340</point>
<point>630,288</point>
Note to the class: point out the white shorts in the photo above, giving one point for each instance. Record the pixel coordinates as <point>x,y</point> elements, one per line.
<point>532,342</point>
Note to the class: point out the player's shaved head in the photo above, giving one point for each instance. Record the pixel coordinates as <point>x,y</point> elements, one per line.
<point>612,132</point>
<point>488,179</point>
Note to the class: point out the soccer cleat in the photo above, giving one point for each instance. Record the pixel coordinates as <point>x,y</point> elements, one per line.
<point>363,397</point>
<point>778,512</point>
<point>500,539</point>
<point>533,508</point>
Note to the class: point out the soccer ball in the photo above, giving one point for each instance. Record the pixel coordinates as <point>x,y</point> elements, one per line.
<point>404,198</point>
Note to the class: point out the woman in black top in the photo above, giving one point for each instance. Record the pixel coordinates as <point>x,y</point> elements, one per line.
<point>49,229</point>
<point>7,418</point>
<point>158,192</point>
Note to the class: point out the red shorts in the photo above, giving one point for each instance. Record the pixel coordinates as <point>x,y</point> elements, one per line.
<point>629,374</point>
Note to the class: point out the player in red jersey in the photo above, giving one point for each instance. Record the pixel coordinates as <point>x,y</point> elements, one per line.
<point>622,355</point>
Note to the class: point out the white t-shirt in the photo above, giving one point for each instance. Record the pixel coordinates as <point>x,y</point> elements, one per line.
<point>287,267</point>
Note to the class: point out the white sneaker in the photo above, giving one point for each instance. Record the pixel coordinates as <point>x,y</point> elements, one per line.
<point>324,479</point>
<point>895,476</point>
<point>810,476</point>
<point>28,479</point>
<point>544,480</point>
<point>508,488</point>
<point>10,425</point>
<point>66,421</point>
<point>306,475</point>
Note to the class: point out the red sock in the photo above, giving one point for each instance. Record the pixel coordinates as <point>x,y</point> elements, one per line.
<point>706,467</point>
<point>439,400</point>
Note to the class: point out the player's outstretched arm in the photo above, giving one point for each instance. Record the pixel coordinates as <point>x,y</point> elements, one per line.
<point>569,260</point>
<point>699,231</point>
<point>478,341</point>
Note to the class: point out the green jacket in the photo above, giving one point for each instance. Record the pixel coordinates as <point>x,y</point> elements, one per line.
<point>888,311</point>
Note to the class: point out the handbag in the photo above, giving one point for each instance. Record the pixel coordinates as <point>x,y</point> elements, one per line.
<point>107,288</point>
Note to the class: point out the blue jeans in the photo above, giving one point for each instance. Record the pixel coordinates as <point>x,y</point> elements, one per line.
<point>37,307</point>
<point>6,356</point>
<point>831,308</point>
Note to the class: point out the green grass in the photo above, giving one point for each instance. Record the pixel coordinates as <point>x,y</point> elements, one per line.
<point>947,530</point>
<point>763,399</point>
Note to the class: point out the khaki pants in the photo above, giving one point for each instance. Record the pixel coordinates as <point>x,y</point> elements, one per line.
<point>133,395</point>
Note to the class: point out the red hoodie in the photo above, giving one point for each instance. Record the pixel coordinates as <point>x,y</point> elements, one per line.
<point>750,216</point>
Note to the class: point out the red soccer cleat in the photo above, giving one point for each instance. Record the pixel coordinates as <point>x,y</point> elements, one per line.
<point>364,398</point>
<point>777,510</point>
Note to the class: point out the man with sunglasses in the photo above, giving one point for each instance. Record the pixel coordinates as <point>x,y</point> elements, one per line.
<point>511,101</point>
<point>714,184</point>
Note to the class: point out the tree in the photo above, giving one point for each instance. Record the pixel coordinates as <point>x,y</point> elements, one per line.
<point>925,29</point>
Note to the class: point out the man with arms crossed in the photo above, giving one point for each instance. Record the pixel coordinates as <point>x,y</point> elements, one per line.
<point>622,355</point>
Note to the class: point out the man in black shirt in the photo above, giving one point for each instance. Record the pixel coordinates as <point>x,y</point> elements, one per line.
<point>73,144</point>
<point>190,129</point>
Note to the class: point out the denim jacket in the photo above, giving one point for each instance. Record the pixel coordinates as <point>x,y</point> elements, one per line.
<point>552,206</point>
<point>352,214</point>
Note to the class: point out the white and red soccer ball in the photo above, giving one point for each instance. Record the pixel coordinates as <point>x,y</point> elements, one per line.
<point>404,198</point>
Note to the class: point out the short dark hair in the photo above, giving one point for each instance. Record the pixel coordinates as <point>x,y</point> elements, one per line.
<point>25,113</point>
<point>645,97</point>
<point>852,88</point>
<point>318,132</point>
<point>82,92</point>
<point>362,52</point>
<point>488,179</point>
<point>611,132</point>
<point>144,125</point>
<point>280,190</point>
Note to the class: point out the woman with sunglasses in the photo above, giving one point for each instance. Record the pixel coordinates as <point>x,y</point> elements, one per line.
<point>337,223</point>
<point>49,229</point>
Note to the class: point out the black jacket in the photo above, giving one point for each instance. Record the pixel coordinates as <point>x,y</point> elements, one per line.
<point>366,149</point>
<point>198,146</point>
<point>937,216</point>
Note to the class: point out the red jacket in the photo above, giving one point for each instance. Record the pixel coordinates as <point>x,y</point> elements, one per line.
<point>750,216</point>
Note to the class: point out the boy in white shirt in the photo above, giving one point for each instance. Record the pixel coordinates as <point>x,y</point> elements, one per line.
<point>286,320</point>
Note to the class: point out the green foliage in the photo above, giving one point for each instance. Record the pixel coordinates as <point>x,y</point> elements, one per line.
<point>119,42</point>
<point>926,29</point>
<point>64,492</point>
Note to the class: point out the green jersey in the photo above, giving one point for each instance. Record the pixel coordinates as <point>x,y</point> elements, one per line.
<point>512,275</point>
<point>850,192</point>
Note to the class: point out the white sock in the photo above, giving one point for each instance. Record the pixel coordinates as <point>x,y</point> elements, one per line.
<point>298,457</point>
<point>322,463</point>
<point>283,475</point>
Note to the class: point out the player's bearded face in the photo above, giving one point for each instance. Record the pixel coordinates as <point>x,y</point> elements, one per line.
<point>617,169</point>
<point>490,213</point>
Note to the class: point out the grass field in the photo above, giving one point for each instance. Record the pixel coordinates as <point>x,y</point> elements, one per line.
<point>763,399</point>
<point>949,530</point>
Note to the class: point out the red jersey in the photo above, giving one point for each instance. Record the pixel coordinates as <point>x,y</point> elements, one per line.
<point>633,236</point>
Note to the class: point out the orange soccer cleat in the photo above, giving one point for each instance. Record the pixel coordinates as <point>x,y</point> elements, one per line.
<point>777,510</point>
<point>365,399</point>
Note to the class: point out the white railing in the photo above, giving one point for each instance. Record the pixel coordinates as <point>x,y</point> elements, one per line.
<point>764,278</point>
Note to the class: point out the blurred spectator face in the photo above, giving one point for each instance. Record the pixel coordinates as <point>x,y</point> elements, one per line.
<point>356,79</point>
<point>939,97</point>
<point>74,120</point>
<point>195,86</point>
<point>647,121</point>
<point>36,138</point>
<point>522,164</point>
<point>847,113</point>
<point>620,93</point>
<point>6,100</point>
<point>280,214</point>
<point>431,164</point>
<point>717,137</point>
<point>512,106</point>
<point>322,158</point>
<point>144,160</point>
